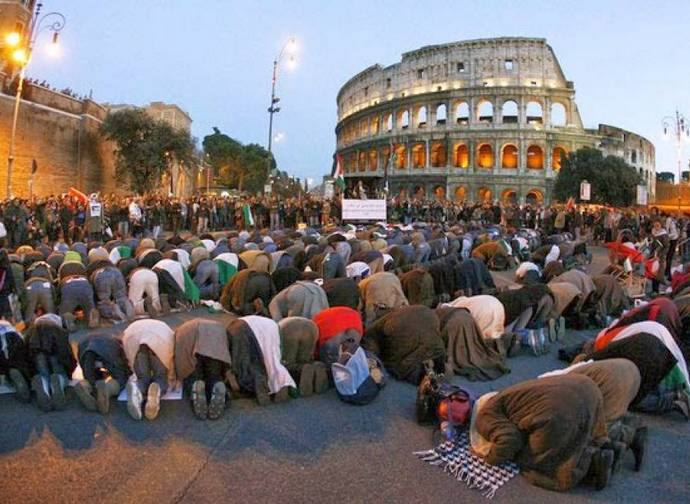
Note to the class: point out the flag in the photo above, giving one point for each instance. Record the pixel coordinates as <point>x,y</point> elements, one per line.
<point>571,203</point>
<point>338,175</point>
<point>80,196</point>
<point>247,214</point>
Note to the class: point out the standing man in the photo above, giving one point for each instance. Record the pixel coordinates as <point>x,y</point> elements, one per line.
<point>94,218</point>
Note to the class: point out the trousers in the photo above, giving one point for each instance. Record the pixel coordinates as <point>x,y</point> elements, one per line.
<point>148,369</point>
<point>144,281</point>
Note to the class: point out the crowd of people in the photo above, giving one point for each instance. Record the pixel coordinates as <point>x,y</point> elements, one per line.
<point>309,303</point>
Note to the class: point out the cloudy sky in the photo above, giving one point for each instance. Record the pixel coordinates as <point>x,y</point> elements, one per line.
<point>629,59</point>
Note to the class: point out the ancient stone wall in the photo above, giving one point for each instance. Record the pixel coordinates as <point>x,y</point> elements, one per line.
<point>62,134</point>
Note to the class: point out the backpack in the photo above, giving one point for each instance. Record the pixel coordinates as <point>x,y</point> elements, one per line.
<point>439,401</point>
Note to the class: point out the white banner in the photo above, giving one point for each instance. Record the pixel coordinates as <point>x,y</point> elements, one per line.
<point>369,209</point>
<point>642,195</point>
<point>585,190</point>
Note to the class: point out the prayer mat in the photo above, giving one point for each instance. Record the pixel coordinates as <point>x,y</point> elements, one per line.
<point>456,459</point>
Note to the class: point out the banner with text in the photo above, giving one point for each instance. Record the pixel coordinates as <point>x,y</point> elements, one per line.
<point>364,209</point>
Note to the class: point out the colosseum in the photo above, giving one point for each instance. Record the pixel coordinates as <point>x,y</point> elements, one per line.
<point>475,120</point>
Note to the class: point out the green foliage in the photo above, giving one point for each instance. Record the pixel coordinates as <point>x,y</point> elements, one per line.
<point>146,148</point>
<point>665,176</point>
<point>284,186</point>
<point>244,167</point>
<point>613,181</point>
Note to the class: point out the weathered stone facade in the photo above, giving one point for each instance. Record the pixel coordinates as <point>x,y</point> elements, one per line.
<point>62,134</point>
<point>473,120</point>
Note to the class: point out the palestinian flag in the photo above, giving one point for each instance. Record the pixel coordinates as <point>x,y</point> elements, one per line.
<point>338,174</point>
<point>247,214</point>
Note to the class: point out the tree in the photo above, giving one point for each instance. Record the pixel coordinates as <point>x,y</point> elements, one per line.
<point>244,167</point>
<point>665,176</point>
<point>146,148</point>
<point>613,181</point>
<point>284,186</point>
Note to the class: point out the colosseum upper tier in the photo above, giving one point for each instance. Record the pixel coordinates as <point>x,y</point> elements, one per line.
<point>474,120</point>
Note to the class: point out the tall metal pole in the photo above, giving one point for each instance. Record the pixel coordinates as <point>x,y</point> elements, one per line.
<point>272,109</point>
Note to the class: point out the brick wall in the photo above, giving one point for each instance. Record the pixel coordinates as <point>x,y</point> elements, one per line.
<point>62,134</point>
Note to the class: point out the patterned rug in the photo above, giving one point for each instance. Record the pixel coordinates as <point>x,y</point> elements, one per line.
<point>455,458</point>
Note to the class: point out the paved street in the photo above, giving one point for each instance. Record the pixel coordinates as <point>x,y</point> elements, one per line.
<point>316,449</point>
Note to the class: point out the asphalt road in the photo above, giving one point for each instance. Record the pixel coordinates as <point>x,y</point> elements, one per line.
<point>313,449</point>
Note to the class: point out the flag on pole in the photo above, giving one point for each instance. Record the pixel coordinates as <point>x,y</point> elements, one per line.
<point>80,196</point>
<point>247,214</point>
<point>338,175</point>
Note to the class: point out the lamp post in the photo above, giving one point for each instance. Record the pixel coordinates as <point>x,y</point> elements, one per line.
<point>288,47</point>
<point>22,55</point>
<point>678,127</point>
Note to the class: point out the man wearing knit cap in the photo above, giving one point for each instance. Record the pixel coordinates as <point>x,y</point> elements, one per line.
<point>339,327</point>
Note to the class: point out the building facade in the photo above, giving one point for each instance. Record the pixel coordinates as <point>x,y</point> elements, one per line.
<point>15,17</point>
<point>477,120</point>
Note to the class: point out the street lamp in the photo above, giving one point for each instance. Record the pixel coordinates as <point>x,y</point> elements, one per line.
<point>678,127</point>
<point>289,48</point>
<point>21,55</point>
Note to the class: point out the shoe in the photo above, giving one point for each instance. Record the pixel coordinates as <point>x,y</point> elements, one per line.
<point>217,404</point>
<point>165,304</point>
<point>619,450</point>
<point>84,392</point>
<point>41,388</point>
<point>543,343</point>
<point>682,404</point>
<point>533,342</point>
<point>21,388</point>
<point>282,395</point>
<point>70,322</point>
<point>150,309</point>
<point>57,389</point>
<point>95,318</point>
<point>199,404</point>
<point>321,382</point>
<point>261,391</point>
<point>134,400</point>
<point>553,330</point>
<point>153,401</point>
<point>560,328</point>
<point>602,463</point>
<point>306,380</point>
<point>105,389</point>
<point>638,446</point>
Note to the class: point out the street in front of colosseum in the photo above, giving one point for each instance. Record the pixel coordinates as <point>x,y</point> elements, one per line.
<point>416,252</point>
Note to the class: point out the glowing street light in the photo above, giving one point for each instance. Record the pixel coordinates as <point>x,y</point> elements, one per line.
<point>21,56</point>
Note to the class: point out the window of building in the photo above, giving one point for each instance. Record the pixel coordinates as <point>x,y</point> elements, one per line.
<point>508,65</point>
<point>420,73</point>
<point>388,83</point>
<point>460,67</point>
<point>366,91</point>
<point>533,83</point>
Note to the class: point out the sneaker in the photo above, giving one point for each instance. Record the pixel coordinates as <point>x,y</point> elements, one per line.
<point>543,343</point>
<point>57,390</point>
<point>134,400</point>
<point>165,304</point>
<point>199,404</point>
<point>602,464</point>
<point>42,390</point>
<point>306,380</point>
<point>561,328</point>
<point>95,318</point>
<point>282,395</point>
<point>638,446</point>
<point>321,382</point>
<point>217,403</point>
<point>261,391</point>
<point>103,396</point>
<point>533,342</point>
<point>21,388</point>
<point>153,401</point>
<point>150,309</point>
<point>84,392</point>
<point>553,330</point>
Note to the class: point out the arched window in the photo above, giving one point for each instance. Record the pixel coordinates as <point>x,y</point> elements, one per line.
<point>352,162</point>
<point>405,119</point>
<point>485,156</point>
<point>438,154</point>
<point>534,113</point>
<point>535,157</point>
<point>440,192</point>
<point>460,193</point>
<point>441,114</point>
<point>462,156</point>
<point>557,157</point>
<point>462,113</point>
<point>401,156</point>
<point>389,122</point>
<point>509,112</point>
<point>421,117</point>
<point>509,196</point>
<point>485,112</point>
<point>419,155</point>
<point>558,117</point>
<point>509,156</point>
<point>375,125</point>
<point>534,197</point>
<point>362,161</point>
<point>373,160</point>
<point>484,194</point>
